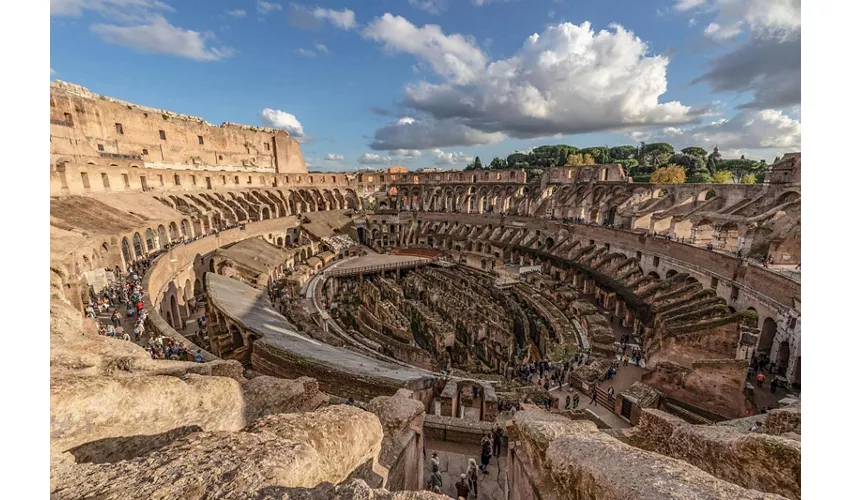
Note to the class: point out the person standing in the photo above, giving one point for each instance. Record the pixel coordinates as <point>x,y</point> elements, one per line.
<point>472,476</point>
<point>462,488</point>
<point>760,378</point>
<point>497,434</point>
<point>435,482</point>
<point>611,394</point>
<point>593,397</point>
<point>486,453</point>
<point>575,401</point>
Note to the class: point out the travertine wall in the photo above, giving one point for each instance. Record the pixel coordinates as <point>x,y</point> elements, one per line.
<point>87,127</point>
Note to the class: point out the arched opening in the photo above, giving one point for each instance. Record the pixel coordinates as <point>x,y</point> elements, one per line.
<point>782,356</point>
<point>198,289</point>
<point>186,228</point>
<point>172,230</point>
<point>163,236</point>
<point>279,241</point>
<point>266,213</point>
<point>137,245</point>
<point>125,250</point>
<point>175,313</point>
<point>671,273</point>
<point>768,333</point>
<point>549,243</point>
<point>654,275</point>
<point>212,266</point>
<point>468,402</point>
<point>149,240</point>
<point>236,335</point>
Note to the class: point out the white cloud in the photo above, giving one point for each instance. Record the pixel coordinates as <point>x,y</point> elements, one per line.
<point>115,9</point>
<point>406,153</point>
<point>334,157</point>
<point>454,57</point>
<point>441,157</point>
<point>160,37</point>
<point>720,33</point>
<point>428,134</point>
<point>304,52</point>
<point>340,18</point>
<point>237,14</point>
<point>479,3</point>
<point>692,22</point>
<point>435,7</point>
<point>566,80</point>
<point>374,159</point>
<point>684,5</point>
<point>321,48</point>
<point>52,71</point>
<point>282,120</point>
<point>266,7</point>
<point>749,129</point>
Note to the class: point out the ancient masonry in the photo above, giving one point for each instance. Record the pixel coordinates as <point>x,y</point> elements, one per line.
<point>415,298</point>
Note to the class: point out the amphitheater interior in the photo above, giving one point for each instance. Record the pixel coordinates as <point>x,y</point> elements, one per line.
<point>341,328</point>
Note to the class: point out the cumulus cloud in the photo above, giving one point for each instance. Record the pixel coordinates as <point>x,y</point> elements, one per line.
<point>454,57</point>
<point>749,129</point>
<point>770,69</point>
<point>334,157</point>
<point>343,19</point>
<point>304,52</point>
<point>435,7</point>
<point>266,7</point>
<point>282,120</point>
<point>373,159</point>
<point>322,48</point>
<point>405,153</point>
<point>684,5</point>
<point>160,37</point>
<point>768,63</point>
<point>440,157</point>
<point>408,133</point>
<point>237,14</point>
<point>566,80</point>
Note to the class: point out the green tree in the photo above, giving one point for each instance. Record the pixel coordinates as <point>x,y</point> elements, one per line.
<point>695,151</point>
<point>671,174</point>
<point>742,167</point>
<point>600,154</point>
<point>575,159</point>
<point>700,178</point>
<point>498,164</point>
<point>477,164</point>
<point>623,153</point>
<point>722,177</point>
<point>693,164</point>
<point>748,179</point>
<point>515,158</point>
<point>628,165</point>
<point>656,154</point>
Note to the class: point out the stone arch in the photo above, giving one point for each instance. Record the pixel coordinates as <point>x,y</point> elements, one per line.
<point>137,245</point>
<point>706,195</point>
<point>173,231</point>
<point>654,275</point>
<point>104,250</point>
<point>212,266</point>
<point>150,240</point>
<point>125,250</point>
<point>671,273</point>
<point>186,228</point>
<point>236,335</point>
<point>783,354</point>
<point>788,197</point>
<point>163,235</point>
<point>197,289</point>
<point>767,336</point>
<point>265,213</point>
<point>175,312</point>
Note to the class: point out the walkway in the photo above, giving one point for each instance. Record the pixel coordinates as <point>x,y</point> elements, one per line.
<point>454,459</point>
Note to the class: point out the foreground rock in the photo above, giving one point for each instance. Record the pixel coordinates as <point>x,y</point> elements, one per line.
<point>285,450</point>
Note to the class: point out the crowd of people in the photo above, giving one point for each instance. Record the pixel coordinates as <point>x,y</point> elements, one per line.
<point>467,486</point>
<point>126,293</point>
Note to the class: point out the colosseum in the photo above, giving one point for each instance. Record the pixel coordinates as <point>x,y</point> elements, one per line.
<point>227,324</point>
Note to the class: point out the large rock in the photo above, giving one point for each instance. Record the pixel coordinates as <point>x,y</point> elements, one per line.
<point>266,395</point>
<point>749,459</point>
<point>578,462</point>
<point>279,451</point>
<point>90,408</point>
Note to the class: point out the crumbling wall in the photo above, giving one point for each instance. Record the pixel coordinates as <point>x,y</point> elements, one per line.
<point>752,460</point>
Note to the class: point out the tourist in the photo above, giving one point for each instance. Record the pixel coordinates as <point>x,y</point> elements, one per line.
<point>198,357</point>
<point>462,488</point>
<point>625,359</point>
<point>611,394</point>
<point>496,435</point>
<point>593,397</point>
<point>115,318</point>
<point>350,402</point>
<point>435,482</point>
<point>760,378</point>
<point>774,382</point>
<point>756,426</point>
<point>435,461</point>
<point>472,476</point>
<point>486,453</point>
<point>575,401</point>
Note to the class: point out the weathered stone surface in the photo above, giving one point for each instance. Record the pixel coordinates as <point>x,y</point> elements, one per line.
<point>782,420</point>
<point>269,395</point>
<point>89,408</point>
<point>287,450</point>
<point>355,490</point>
<point>582,463</point>
<point>396,413</point>
<point>749,459</point>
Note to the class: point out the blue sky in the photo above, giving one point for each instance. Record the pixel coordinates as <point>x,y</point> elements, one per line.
<point>436,82</point>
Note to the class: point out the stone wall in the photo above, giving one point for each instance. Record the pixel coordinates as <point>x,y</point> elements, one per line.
<point>752,460</point>
<point>86,125</point>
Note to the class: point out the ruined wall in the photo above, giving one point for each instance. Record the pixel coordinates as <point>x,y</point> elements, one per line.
<point>86,126</point>
<point>752,460</point>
